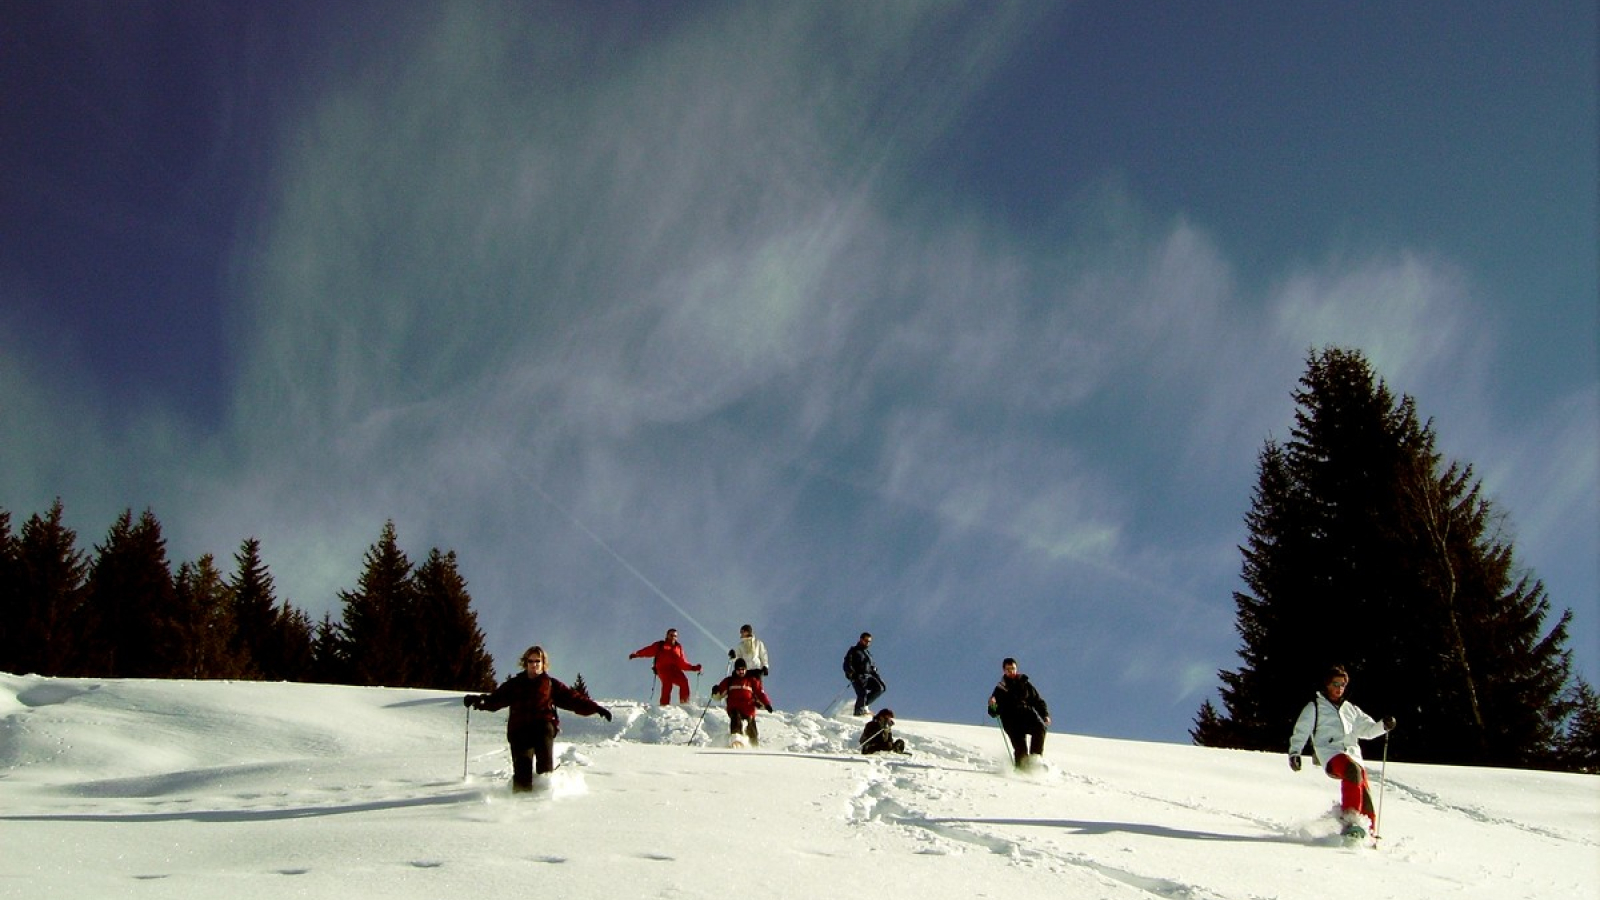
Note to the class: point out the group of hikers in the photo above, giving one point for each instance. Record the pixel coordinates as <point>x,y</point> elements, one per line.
<point>1333,726</point>
<point>534,697</point>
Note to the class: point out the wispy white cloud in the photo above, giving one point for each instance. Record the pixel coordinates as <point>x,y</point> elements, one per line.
<point>554,299</point>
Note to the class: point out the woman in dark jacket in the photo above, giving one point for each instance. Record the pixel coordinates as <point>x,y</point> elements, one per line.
<point>532,725</point>
<point>1023,713</point>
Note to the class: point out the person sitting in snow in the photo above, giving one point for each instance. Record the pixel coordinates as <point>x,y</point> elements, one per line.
<point>744,692</point>
<point>878,736</point>
<point>752,651</point>
<point>669,664</point>
<point>532,725</point>
<point>1335,727</point>
<point>1022,712</point>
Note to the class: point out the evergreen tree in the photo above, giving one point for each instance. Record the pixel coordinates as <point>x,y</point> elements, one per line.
<point>254,642</point>
<point>295,651</point>
<point>1366,549</point>
<point>11,610</point>
<point>377,616</point>
<point>1580,742</point>
<point>207,605</point>
<point>328,662</point>
<point>445,630</point>
<point>50,576</point>
<point>131,627</point>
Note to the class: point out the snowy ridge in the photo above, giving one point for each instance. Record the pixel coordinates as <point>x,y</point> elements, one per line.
<point>114,788</point>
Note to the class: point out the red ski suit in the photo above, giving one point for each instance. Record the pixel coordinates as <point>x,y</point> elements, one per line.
<point>744,693</point>
<point>669,664</point>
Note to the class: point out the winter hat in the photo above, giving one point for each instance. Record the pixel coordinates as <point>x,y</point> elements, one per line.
<point>885,713</point>
<point>739,664</point>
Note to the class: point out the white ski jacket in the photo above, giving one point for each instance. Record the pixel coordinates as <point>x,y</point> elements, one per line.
<point>1332,730</point>
<point>754,654</point>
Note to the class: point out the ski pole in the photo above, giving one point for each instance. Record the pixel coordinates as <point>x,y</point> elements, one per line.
<point>1383,782</point>
<point>728,671</point>
<point>696,732</point>
<point>466,742</point>
<point>836,698</point>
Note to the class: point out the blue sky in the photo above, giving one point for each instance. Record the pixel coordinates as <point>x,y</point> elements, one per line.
<point>961,324</point>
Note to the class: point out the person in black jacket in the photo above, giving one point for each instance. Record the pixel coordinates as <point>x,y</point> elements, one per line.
<point>1023,713</point>
<point>863,675</point>
<point>532,725</point>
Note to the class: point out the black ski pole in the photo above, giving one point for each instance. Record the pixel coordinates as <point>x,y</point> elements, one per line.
<point>466,742</point>
<point>695,733</point>
<point>1005,741</point>
<point>706,707</point>
<point>836,698</point>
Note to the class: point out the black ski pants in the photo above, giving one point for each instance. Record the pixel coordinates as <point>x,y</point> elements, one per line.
<point>868,688</point>
<point>532,752</point>
<point>1027,738</point>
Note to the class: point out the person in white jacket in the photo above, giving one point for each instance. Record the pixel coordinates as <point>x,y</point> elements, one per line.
<point>752,651</point>
<point>1335,727</point>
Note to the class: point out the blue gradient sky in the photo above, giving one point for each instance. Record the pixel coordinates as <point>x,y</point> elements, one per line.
<point>962,324</point>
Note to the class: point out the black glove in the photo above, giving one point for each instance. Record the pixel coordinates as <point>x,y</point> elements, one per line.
<point>604,714</point>
<point>474,700</point>
<point>1294,761</point>
<point>765,671</point>
<point>767,707</point>
<point>1388,724</point>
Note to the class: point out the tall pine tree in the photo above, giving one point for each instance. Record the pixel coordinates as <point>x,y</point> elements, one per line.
<point>1365,548</point>
<point>377,616</point>
<point>131,627</point>
<point>50,575</point>
<point>207,614</point>
<point>452,654</point>
<point>10,595</point>
<point>254,602</point>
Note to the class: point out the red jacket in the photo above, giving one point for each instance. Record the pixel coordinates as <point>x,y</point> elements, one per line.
<point>744,693</point>
<point>665,658</point>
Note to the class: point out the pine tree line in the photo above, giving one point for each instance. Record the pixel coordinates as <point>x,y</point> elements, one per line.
<point>1367,548</point>
<point>121,612</point>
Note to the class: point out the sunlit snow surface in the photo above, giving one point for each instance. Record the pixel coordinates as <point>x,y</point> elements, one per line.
<point>126,788</point>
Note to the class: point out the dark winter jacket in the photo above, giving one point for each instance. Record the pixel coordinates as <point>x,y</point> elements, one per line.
<point>534,700</point>
<point>858,663</point>
<point>878,736</point>
<point>1019,705</point>
<point>744,693</point>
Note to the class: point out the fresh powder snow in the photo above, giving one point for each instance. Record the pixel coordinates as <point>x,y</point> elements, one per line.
<point>258,791</point>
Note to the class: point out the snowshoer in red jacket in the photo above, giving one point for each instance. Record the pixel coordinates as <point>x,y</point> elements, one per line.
<point>745,695</point>
<point>669,664</point>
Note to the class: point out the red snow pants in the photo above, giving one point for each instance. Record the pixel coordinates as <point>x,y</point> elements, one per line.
<point>1355,794</point>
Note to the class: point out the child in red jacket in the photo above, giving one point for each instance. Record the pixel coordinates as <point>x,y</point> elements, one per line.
<point>745,694</point>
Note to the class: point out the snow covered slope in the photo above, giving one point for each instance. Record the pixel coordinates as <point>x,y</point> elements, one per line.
<point>248,790</point>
